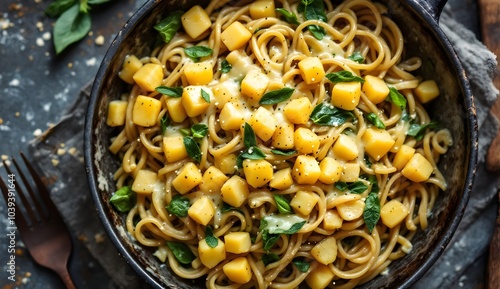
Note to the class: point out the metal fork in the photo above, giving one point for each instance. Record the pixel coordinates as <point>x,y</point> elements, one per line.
<point>42,228</point>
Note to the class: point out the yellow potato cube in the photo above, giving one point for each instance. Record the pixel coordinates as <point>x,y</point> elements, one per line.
<point>146,110</point>
<point>298,110</point>
<point>254,85</point>
<point>174,149</point>
<point>226,163</point>
<point>427,91</point>
<point>193,102</point>
<point>350,172</point>
<point>198,73</point>
<point>393,212</point>
<point>235,191</point>
<point>332,220</point>
<point>225,92</point>
<point>188,178</point>
<point>117,109</point>
<point>320,277</point>
<point>237,242</point>
<point>282,179</point>
<point>235,36</point>
<point>149,76</point>
<point>377,142</point>
<point>283,136</point>
<point>144,182</point>
<point>257,172</point>
<point>232,116</point>
<point>202,210</point>
<point>375,89</point>
<point>346,148</point>
<point>213,180</point>
<point>303,202</point>
<point>195,21</point>
<point>418,168</point>
<point>311,70</point>
<point>262,9</point>
<point>130,66</point>
<point>263,123</point>
<point>306,170</point>
<point>305,140</point>
<point>209,256</point>
<point>346,95</point>
<point>331,170</point>
<point>176,110</point>
<point>404,154</point>
<point>238,270</point>
<point>351,210</point>
<point>325,251</point>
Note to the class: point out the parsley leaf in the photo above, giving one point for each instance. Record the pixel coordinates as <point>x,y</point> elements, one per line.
<point>123,199</point>
<point>205,95</point>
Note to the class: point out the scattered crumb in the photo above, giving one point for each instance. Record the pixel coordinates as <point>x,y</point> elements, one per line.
<point>7,162</point>
<point>50,125</point>
<point>91,33</point>
<point>54,162</point>
<point>91,62</point>
<point>40,42</point>
<point>4,157</point>
<point>1,120</point>
<point>61,152</point>
<point>39,25</point>
<point>46,36</point>
<point>14,82</point>
<point>99,238</point>
<point>47,53</point>
<point>37,132</point>
<point>99,40</point>
<point>72,151</point>
<point>28,274</point>
<point>62,144</point>
<point>4,23</point>
<point>17,114</point>
<point>30,58</point>
<point>19,252</point>
<point>83,238</point>
<point>70,65</point>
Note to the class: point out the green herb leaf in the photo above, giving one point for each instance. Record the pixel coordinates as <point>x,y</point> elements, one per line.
<point>371,213</point>
<point>205,95</point>
<point>164,122</point>
<point>324,114</point>
<point>211,240</point>
<point>314,10</point>
<point>397,98</point>
<point>418,130</point>
<point>252,153</point>
<point>71,26</point>
<point>124,199</point>
<point>269,258</point>
<point>276,96</point>
<point>185,131</point>
<point>373,118</point>
<point>94,2</point>
<point>192,148</point>
<point>199,130</point>
<point>274,225</point>
<point>367,161</point>
<point>57,7</point>
<point>302,265</point>
<point>175,92</point>
<point>341,186</point>
<point>357,187</point>
<point>226,208</point>
<point>197,52</point>
<point>283,153</point>
<point>181,252</point>
<point>343,76</point>
<point>283,204</point>
<point>269,240</point>
<point>169,25</point>
<point>225,66</point>
<point>178,206</point>
<point>356,57</point>
<point>249,136</point>
<point>289,16</point>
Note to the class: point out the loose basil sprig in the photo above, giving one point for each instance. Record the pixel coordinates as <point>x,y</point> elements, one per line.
<point>269,258</point>
<point>73,20</point>
<point>178,206</point>
<point>314,10</point>
<point>252,151</point>
<point>199,130</point>
<point>124,199</point>
<point>169,25</point>
<point>205,95</point>
<point>181,252</point>
<point>283,153</point>
<point>197,52</point>
<point>271,234</point>
<point>282,204</point>
<point>397,98</point>
<point>324,114</point>
<point>276,96</point>
<point>343,76</point>
<point>174,92</point>
<point>418,130</point>
<point>375,120</point>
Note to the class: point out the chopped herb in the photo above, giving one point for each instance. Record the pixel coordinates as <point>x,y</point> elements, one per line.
<point>225,66</point>
<point>170,91</point>
<point>283,204</point>
<point>418,130</point>
<point>277,96</point>
<point>397,98</point>
<point>192,148</point>
<point>178,206</point>
<point>343,76</point>
<point>124,199</point>
<point>252,151</point>
<point>185,131</point>
<point>355,187</point>
<point>164,122</point>
<point>181,252</point>
<point>375,120</point>
<point>324,114</point>
<point>341,186</point>
<point>199,130</point>
<point>211,240</point>
<point>205,95</point>
<point>283,153</point>
<point>269,258</point>
<point>356,57</point>
<point>249,138</point>
<point>302,265</point>
<point>169,25</point>
<point>314,10</point>
<point>274,225</point>
<point>367,161</point>
<point>226,208</point>
<point>289,16</point>
<point>197,52</point>
<point>371,213</point>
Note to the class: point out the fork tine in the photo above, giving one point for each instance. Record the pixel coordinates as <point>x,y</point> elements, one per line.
<point>19,218</point>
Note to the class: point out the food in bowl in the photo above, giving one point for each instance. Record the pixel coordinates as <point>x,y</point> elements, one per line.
<point>277,143</point>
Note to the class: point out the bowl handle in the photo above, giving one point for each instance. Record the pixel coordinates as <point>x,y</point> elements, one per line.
<point>432,7</point>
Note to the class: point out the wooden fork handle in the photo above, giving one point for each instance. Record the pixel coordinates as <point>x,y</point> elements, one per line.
<point>494,257</point>
<point>66,278</point>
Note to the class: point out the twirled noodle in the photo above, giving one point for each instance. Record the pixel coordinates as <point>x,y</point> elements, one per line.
<point>368,206</point>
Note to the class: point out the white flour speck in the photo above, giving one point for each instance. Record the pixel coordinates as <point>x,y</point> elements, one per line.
<point>14,82</point>
<point>40,42</point>
<point>29,116</point>
<point>37,132</point>
<point>91,62</point>
<point>46,36</point>
<point>46,107</point>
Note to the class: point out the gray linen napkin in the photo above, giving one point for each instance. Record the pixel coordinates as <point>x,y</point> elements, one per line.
<point>58,153</point>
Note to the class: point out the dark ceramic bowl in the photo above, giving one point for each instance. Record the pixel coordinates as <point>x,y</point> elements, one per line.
<point>418,20</point>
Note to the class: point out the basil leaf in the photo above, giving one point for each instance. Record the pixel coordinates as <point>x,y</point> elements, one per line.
<point>225,66</point>
<point>302,265</point>
<point>252,153</point>
<point>341,186</point>
<point>314,10</point>
<point>356,57</point>
<point>317,31</point>
<point>343,76</point>
<point>418,131</point>
<point>357,187</point>
<point>289,16</point>
<point>373,181</point>
<point>324,114</point>
<point>373,118</point>
<point>211,240</point>
<point>175,92</point>
<point>57,7</point>
<point>124,199</point>
<point>269,240</point>
<point>280,225</point>
<point>397,98</point>
<point>367,161</point>
<point>192,148</point>
<point>226,208</point>
<point>164,122</point>
<point>283,204</point>
<point>181,252</point>
<point>249,136</point>
<point>276,96</point>
<point>283,153</point>
<point>371,213</point>
<point>205,95</point>
<point>269,258</point>
<point>197,52</point>
<point>169,25</point>
<point>93,2</point>
<point>199,130</point>
<point>185,131</point>
<point>70,27</point>
<point>179,206</point>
